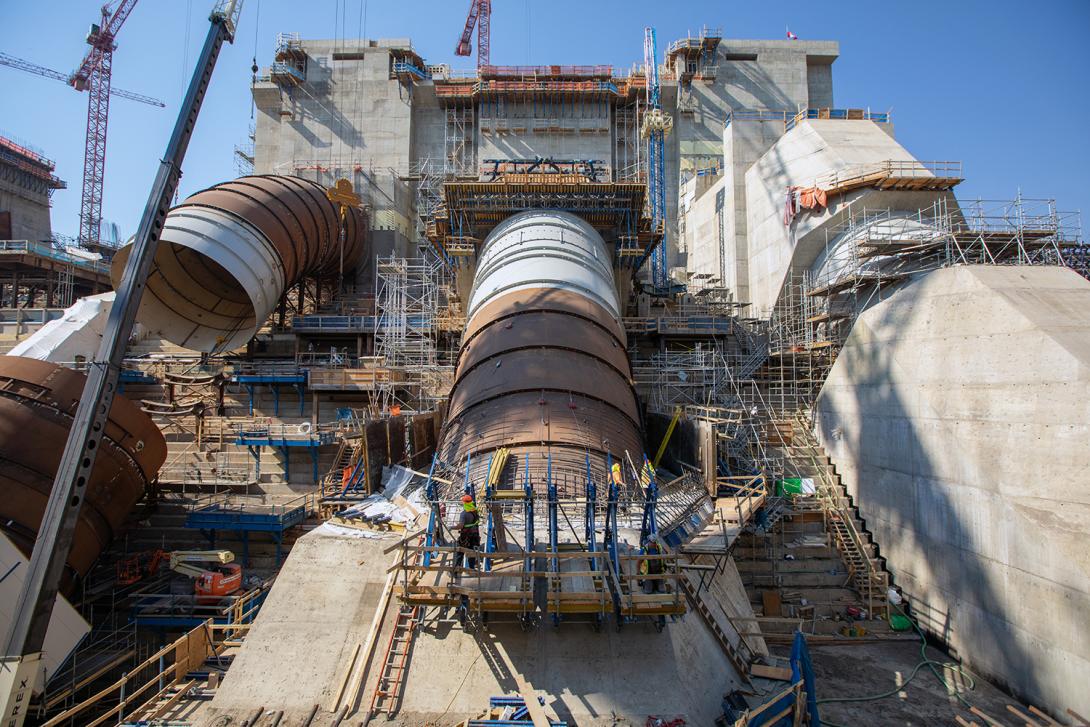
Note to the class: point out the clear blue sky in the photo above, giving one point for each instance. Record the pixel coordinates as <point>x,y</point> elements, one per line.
<point>999,85</point>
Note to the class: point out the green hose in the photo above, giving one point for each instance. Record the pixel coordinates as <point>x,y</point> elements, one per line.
<point>929,663</point>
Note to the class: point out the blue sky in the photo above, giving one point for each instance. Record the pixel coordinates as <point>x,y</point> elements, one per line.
<point>999,85</point>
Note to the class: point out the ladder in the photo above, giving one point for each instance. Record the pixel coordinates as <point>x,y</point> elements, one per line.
<point>741,664</point>
<point>391,678</point>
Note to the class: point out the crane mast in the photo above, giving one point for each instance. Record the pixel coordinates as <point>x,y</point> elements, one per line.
<point>656,124</point>
<point>94,76</point>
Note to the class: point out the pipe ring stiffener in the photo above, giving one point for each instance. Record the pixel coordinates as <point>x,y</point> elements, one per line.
<point>38,401</point>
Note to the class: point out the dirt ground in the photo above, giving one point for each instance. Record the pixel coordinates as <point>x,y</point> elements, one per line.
<point>872,668</point>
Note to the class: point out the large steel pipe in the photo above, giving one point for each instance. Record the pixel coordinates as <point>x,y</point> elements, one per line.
<point>228,253</point>
<point>37,402</point>
<point>544,367</point>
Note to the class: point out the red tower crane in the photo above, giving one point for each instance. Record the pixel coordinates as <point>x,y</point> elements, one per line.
<point>480,12</point>
<point>93,76</point>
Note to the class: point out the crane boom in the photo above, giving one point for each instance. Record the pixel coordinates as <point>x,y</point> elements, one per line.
<point>23,65</point>
<point>479,16</point>
<point>39,590</point>
<point>101,37</point>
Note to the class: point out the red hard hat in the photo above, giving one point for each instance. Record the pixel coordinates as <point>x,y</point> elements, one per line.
<point>467,498</point>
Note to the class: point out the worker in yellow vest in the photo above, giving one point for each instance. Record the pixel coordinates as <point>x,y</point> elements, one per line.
<point>469,534</point>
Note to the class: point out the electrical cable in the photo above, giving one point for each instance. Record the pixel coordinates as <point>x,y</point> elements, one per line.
<point>970,683</point>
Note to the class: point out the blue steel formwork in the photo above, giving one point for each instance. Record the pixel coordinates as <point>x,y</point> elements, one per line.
<point>656,163</point>
<point>254,439</point>
<point>246,518</point>
<point>274,380</point>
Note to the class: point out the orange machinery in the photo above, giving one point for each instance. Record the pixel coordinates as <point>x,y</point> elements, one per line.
<point>213,571</point>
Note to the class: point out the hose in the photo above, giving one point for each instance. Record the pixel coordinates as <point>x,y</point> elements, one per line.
<point>924,661</point>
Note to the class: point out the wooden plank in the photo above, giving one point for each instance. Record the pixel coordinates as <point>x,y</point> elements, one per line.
<point>174,699</point>
<point>764,671</point>
<point>987,719</point>
<point>1048,720</point>
<point>536,711</point>
<point>1083,722</point>
<point>347,673</point>
<point>771,603</point>
<point>372,637</point>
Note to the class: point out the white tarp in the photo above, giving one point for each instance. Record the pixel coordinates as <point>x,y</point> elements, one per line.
<point>77,333</point>
<point>66,627</point>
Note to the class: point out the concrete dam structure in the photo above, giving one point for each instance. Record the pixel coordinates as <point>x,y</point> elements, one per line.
<point>657,395</point>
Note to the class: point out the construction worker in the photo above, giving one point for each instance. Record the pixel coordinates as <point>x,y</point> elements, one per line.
<point>652,567</point>
<point>469,533</point>
<point>647,474</point>
<point>618,478</point>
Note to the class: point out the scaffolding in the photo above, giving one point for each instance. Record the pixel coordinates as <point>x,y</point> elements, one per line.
<point>460,141</point>
<point>417,323</point>
<point>874,250</point>
<point>407,301</point>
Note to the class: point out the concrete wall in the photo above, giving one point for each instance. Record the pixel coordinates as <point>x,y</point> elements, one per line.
<point>23,197</point>
<point>751,74</point>
<point>560,131</point>
<point>351,120</point>
<point>958,414</point>
<point>810,149</point>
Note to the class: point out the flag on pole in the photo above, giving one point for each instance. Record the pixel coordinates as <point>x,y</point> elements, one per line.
<point>791,36</point>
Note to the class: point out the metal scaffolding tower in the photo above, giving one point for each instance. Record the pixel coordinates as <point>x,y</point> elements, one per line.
<point>408,302</point>
<point>656,124</point>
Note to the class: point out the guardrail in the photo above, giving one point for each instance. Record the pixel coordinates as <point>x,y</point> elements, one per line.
<point>28,247</point>
<point>889,168</point>
<point>165,670</point>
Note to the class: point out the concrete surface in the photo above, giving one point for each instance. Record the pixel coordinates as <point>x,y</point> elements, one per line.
<point>958,415</point>
<point>810,149</point>
<point>319,608</point>
<point>605,678</point>
<point>869,669</point>
<point>322,604</point>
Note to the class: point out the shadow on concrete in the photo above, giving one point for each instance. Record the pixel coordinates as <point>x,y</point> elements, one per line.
<point>874,392</point>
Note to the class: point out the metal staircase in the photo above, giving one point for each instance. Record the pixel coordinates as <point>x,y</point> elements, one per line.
<point>868,576</point>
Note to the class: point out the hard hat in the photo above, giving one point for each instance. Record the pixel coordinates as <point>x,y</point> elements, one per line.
<point>467,498</point>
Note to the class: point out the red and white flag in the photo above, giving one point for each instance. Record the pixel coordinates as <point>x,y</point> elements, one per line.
<point>791,36</point>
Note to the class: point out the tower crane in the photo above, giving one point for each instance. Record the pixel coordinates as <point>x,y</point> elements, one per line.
<point>24,65</point>
<point>480,15</point>
<point>94,75</point>
<point>656,124</point>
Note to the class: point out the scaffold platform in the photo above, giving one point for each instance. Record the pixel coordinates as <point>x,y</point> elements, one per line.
<point>225,515</point>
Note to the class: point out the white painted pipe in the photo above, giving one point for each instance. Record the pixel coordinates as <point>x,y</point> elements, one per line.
<point>544,249</point>
<point>216,280</point>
